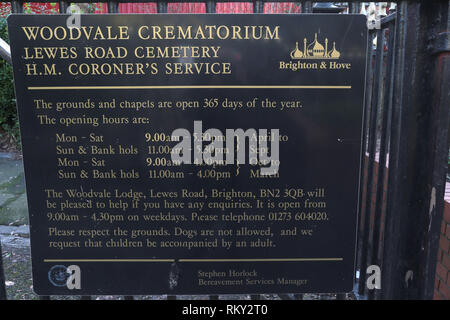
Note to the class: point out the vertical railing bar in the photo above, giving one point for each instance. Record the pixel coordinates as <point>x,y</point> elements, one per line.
<point>258,6</point>
<point>387,107</point>
<point>210,6</point>
<point>353,7</point>
<point>395,149</point>
<point>365,125</point>
<point>162,6</point>
<point>307,7</point>
<point>63,5</point>
<point>371,163</point>
<point>113,6</point>
<point>17,6</point>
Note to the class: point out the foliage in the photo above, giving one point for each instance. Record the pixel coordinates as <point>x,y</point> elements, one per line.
<point>9,125</point>
<point>40,8</point>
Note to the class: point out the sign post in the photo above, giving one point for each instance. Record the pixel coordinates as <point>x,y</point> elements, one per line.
<point>191,154</point>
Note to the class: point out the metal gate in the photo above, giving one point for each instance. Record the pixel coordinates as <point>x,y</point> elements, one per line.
<point>405,144</point>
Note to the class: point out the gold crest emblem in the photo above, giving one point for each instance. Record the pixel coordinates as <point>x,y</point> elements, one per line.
<point>315,50</point>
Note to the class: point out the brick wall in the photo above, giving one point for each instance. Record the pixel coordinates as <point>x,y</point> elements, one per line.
<point>442,282</point>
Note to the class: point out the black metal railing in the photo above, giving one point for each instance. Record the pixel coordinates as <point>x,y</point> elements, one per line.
<point>391,143</point>
<point>405,149</point>
<point>378,112</point>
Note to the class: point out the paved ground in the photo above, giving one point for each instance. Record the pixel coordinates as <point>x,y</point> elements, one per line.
<point>13,204</point>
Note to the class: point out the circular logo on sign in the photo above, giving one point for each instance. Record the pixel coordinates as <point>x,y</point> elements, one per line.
<point>58,275</point>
